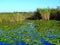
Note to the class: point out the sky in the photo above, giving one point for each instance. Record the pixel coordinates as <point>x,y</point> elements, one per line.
<point>26,5</point>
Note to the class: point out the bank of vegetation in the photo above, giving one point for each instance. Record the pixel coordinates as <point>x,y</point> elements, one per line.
<point>40,13</point>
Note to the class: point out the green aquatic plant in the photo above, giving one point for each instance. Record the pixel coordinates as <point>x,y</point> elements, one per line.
<point>30,31</point>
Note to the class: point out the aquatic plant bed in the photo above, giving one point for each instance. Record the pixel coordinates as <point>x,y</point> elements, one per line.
<point>30,32</point>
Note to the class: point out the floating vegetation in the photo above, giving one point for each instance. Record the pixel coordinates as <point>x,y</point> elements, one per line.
<point>35,32</point>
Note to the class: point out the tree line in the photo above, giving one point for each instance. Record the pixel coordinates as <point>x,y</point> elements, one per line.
<point>47,14</point>
<point>40,13</point>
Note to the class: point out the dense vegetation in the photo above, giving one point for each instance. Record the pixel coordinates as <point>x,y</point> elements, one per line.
<point>13,17</point>
<point>44,13</point>
<point>31,27</point>
<point>30,31</point>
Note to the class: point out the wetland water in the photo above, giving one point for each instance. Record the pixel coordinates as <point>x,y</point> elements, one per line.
<point>27,34</point>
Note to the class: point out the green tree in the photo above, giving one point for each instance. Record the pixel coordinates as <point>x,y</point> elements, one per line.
<point>53,13</point>
<point>58,13</point>
<point>45,13</point>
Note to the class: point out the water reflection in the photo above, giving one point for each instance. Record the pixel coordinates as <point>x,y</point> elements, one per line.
<point>27,32</point>
<point>2,43</point>
<point>31,31</point>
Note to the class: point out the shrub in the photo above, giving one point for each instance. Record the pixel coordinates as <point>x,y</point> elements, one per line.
<point>45,13</point>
